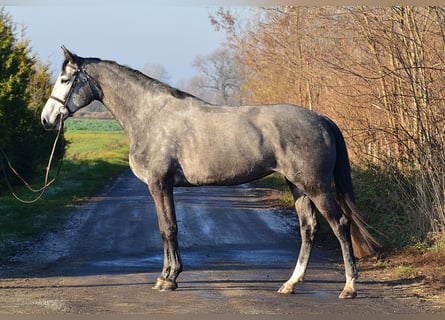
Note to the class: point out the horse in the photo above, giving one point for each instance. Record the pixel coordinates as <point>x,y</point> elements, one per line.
<point>179,140</point>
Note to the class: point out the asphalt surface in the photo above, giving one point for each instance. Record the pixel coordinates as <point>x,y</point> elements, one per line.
<point>236,253</point>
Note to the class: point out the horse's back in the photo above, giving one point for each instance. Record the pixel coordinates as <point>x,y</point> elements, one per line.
<point>231,145</point>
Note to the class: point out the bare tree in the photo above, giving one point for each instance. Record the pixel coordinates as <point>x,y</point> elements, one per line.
<point>156,71</point>
<point>219,73</point>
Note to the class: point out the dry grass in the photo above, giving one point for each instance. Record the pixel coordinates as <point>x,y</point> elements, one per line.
<point>419,270</point>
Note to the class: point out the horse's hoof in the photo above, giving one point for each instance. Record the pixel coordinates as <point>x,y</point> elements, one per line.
<point>169,285</point>
<point>347,294</point>
<point>286,289</point>
<point>158,284</point>
<point>165,285</point>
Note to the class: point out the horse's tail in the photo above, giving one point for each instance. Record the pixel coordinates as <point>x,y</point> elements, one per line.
<point>363,242</point>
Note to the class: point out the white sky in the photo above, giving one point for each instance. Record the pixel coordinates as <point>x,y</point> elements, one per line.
<point>132,34</point>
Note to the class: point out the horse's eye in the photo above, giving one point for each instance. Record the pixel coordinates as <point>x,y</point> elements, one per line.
<point>64,80</point>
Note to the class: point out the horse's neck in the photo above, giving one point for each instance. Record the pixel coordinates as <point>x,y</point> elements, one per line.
<point>124,95</point>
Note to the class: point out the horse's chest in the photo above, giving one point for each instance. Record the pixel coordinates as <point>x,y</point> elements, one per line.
<point>152,160</point>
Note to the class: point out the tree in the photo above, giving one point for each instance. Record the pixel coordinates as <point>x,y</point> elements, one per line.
<point>156,71</point>
<point>24,88</point>
<point>220,74</point>
<point>377,72</point>
<point>396,72</point>
<point>194,86</point>
<point>280,48</point>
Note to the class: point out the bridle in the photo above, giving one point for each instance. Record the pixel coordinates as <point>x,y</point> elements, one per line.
<point>64,101</point>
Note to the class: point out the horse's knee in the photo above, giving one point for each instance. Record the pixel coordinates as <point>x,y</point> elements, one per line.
<point>169,233</point>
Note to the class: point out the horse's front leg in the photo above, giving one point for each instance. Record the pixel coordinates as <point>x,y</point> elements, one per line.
<point>162,194</point>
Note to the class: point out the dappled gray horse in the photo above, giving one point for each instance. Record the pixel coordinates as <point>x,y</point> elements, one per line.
<point>177,139</point>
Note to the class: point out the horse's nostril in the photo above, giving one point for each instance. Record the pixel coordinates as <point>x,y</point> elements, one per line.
<point>44,122</point>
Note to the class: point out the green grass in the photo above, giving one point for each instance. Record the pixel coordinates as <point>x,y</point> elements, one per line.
<point>92,125</point>
<point>276,181</point>
<point>93,146</point>
<point>405,270</point>
<point>93,156</point>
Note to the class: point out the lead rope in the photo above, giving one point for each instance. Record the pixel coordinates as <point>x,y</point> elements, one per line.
<point>47,183</point>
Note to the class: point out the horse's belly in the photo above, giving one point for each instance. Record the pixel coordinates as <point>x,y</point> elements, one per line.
<point>223,171</point>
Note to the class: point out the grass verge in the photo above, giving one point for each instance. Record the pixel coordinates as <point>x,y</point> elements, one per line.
<point>276,181</point>
<point>92,157</point>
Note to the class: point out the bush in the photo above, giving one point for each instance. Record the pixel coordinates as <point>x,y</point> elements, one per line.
<point>24,87</point>
<point>403,209</point>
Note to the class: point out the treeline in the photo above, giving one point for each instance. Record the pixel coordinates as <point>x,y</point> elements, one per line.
<point>24,87</point>
<point>379,73</point>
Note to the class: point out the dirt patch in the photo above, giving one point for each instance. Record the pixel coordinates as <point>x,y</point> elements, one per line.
<point>419,274</point>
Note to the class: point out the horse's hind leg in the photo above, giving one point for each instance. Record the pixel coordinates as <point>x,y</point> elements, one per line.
<point>340,224</point>
<point>308,227</point>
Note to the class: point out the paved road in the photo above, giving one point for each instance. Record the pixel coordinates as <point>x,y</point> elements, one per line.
<point>236,253</point>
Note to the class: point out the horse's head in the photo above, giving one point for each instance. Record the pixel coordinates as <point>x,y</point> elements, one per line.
<point>73,89</point>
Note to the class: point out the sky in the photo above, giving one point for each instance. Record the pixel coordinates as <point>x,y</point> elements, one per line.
<point>134,34</point>
<point>131,32</point>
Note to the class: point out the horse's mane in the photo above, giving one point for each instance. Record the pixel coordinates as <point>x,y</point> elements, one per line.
<point>148,82</point>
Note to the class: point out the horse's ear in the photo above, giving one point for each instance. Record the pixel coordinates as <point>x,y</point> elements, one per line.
<point>71,57</point>
<point>68,55</point>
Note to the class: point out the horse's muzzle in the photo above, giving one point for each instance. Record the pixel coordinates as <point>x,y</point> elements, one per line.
<point>48,126</point>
